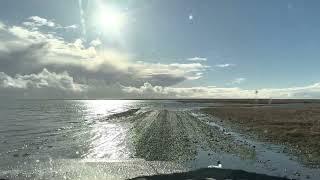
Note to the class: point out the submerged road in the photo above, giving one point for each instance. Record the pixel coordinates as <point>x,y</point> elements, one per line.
<point>164,135</point>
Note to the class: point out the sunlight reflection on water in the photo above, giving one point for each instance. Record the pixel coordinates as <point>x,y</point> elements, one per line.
<point>108,138</point>
<point>106,107</point>
<point>108,142</point>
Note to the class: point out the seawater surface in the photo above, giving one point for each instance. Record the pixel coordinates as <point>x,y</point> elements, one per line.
<point>38,133</point>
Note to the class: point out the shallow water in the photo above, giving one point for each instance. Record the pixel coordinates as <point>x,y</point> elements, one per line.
<point>34,132</point>
<point>269,157</point>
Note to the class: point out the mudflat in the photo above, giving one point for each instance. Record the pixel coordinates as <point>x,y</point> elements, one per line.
<point>293,124</point>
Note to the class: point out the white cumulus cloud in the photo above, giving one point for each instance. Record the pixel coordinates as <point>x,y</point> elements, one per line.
<point>150,91</point>
<point>43,80</point>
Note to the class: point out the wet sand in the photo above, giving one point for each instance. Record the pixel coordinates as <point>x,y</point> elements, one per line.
<point>295,125</point>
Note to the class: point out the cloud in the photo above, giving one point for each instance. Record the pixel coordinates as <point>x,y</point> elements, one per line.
<point>238,80</point>
<point>43,80</point>
<point>70,27</point>
<point>174,70</point>
<point>2,26</point>
<point>150,91</point>
<point>95,42</point>
<point>178,92</point>
<point>36,21</point>
<point>28,51</point>
<point>224,65</point>
<point>197,59</point>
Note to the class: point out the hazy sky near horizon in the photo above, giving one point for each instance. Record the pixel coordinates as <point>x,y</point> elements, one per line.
<point>160,48</point>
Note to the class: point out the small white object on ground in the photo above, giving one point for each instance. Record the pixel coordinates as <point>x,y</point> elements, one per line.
<point>219,165</point>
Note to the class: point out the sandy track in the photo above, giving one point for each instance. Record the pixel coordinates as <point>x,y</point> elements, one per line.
<point>176,135</point>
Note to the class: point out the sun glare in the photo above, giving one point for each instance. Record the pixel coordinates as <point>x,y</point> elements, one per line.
<point>111,20</point>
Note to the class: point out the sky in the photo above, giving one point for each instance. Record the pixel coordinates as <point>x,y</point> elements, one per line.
<point>159,49</point>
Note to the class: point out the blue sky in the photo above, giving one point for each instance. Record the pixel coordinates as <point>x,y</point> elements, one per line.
<point>250,44</point>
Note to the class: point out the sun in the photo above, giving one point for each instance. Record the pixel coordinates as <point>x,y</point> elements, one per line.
<point>111,20</point>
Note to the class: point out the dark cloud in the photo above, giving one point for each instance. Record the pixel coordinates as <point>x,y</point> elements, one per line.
<point>22,59</point>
